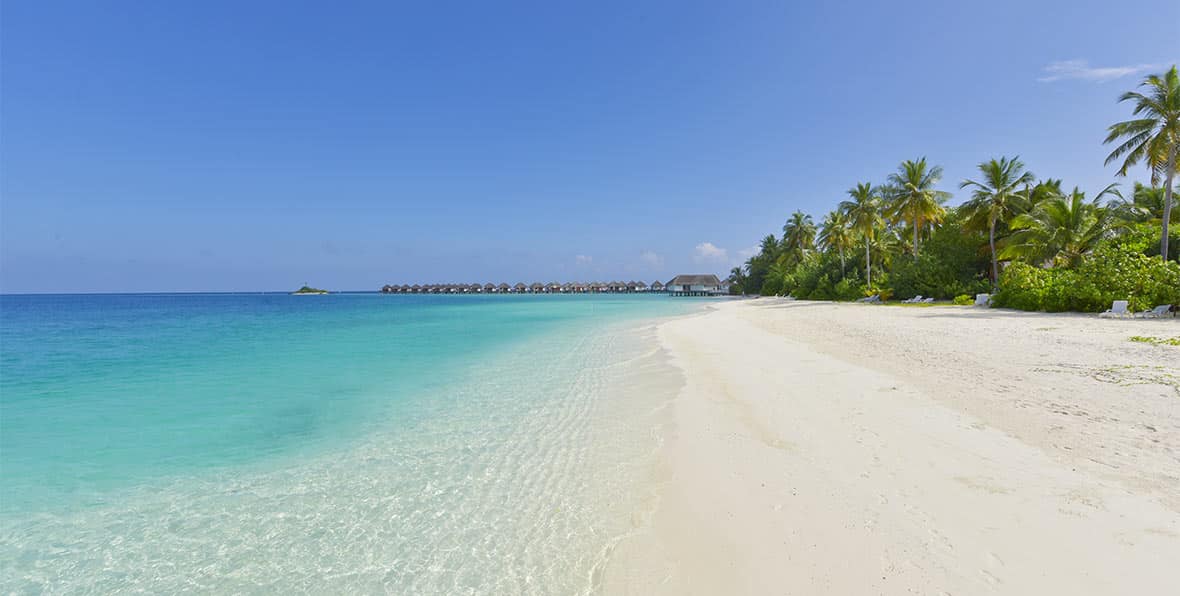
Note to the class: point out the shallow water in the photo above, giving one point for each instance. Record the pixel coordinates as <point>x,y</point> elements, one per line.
<point>263,443</point>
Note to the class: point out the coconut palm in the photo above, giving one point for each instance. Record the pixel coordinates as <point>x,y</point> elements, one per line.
<point>798,235</point>
<point>890,243</point>
<point>864,218</point>
<point>836,235</point>
<point>1061,230</point>
<point>1153,138</point>
<point>1146,205</point>
<point>737,279</point>
<point>997,197</point>
<point>912,197</point>
<point>778,274</point>
<point>769,247</point>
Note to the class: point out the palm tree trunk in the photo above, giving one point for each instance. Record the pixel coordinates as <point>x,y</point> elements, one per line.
<point>1171,169</point>
<point>915,238</point>
<point>841,264</point>
<point>868,265</point>
<point>991,239</point>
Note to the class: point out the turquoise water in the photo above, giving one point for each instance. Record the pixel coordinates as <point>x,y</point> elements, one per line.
<point>266,443</point>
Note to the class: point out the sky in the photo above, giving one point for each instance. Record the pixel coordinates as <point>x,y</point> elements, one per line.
<point>251,146</point>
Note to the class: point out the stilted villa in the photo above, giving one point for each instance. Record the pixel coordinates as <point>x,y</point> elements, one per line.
<point>696,285</point>
<point>681,285</point>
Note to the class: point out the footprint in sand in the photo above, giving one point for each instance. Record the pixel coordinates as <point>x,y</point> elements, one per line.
<point>994,562</point>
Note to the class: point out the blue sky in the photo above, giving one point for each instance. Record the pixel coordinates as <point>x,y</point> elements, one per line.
<point>259,145</point>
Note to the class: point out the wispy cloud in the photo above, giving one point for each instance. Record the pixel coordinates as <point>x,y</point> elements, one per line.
<point>651,259</point>
<point>707,252</point>
<point>1080,70</point>
<point>583,259</point>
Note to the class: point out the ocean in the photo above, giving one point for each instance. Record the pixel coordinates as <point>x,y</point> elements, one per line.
<point>266,443</point>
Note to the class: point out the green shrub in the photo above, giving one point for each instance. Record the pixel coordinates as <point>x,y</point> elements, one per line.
<point>1145,238</point>
<point>1111,273</point>
<point>850,288</point>
<point>950,264</point>
<point>964,300</point>
<point>771,286</point>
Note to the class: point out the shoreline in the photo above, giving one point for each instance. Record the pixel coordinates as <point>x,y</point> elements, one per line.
<point>515,469</point>
<point>838,448</point>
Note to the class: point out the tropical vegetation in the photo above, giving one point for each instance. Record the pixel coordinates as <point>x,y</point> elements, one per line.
<point>1027,240</point>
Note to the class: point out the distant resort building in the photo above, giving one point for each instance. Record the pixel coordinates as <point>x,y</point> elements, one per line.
<point>696,285</point>
<point>681,285</point>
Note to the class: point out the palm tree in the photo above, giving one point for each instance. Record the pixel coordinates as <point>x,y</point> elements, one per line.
<point>778,273</point>
<point>912,196</point>
<point>836,235</point>
<point>1153,138</point>
<point>1145,206</point>
<point>997,197</point>
<point>737,278</point>
<point>1060,230</point>
<point>864,217</point>
<point>769,246</point>
<point>798,235</point>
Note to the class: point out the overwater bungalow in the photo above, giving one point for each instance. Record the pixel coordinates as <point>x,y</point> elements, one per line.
<point>695,285</point>
<point>681,285</point>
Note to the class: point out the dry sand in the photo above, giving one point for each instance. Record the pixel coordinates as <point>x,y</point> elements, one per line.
<point>826,448</point>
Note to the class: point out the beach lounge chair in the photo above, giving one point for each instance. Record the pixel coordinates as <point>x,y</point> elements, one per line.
<point>871,299</point>
<point>1117,309</point>
<point>928,301</point>
<point>1162,310</point>
<point>914,300</point>
<point>983,300</point>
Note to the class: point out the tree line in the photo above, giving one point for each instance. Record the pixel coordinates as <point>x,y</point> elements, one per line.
<point>899,238</point>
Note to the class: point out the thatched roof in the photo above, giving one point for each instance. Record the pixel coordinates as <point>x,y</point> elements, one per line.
<point>695,280</point>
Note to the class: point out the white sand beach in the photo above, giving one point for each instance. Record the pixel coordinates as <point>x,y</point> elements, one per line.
<point>822,448</point>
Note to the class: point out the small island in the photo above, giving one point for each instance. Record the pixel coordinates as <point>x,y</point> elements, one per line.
<point>309,291</point>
